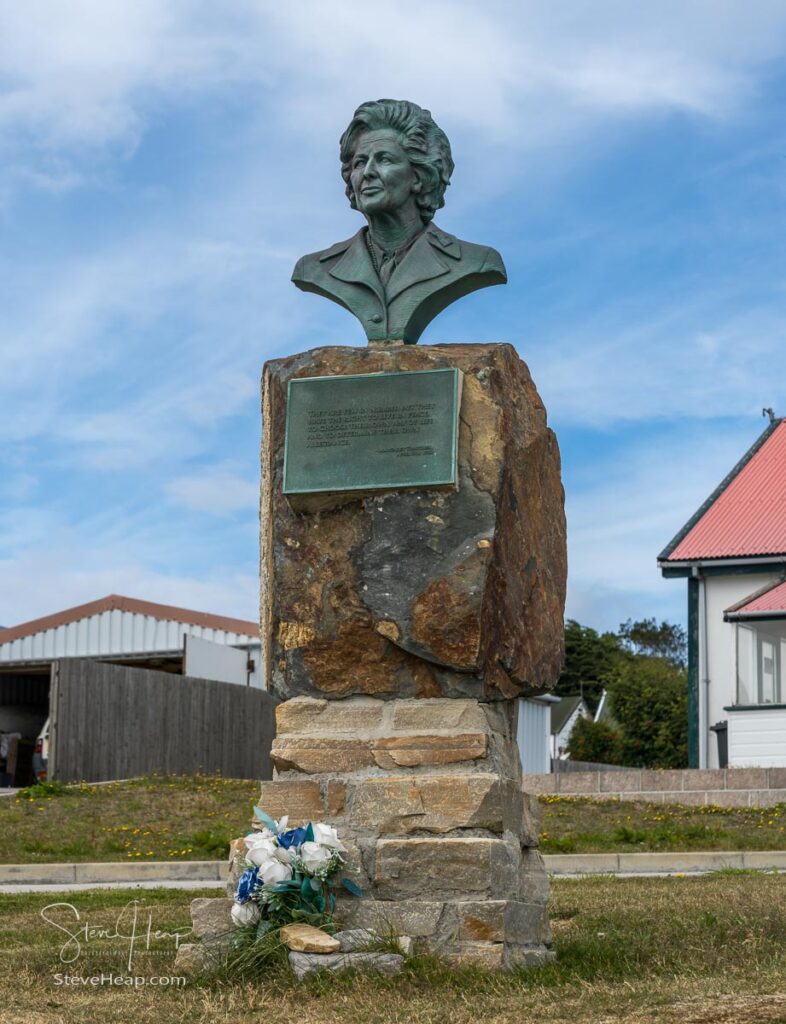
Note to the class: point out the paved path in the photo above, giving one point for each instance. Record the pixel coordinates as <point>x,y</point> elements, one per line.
<point>576,864</point>
<point>212,873</point>
<point>182,883</point>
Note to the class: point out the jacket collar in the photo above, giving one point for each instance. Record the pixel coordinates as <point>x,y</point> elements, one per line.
<point>423,262</point>
<point>355,265</point>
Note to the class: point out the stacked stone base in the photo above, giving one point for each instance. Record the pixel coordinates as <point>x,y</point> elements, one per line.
<point>426,795</point>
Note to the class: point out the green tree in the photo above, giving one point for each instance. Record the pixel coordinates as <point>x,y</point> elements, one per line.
<point>597,742</point>
<point>649,699</point>
<point>667,640</point>
<point>590,660</point>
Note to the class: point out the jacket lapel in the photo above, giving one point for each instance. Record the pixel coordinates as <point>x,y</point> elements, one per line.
<point>420,264</point>
<point>355,266</point>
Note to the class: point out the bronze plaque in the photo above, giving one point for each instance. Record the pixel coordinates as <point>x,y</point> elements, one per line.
<point>373,431</point>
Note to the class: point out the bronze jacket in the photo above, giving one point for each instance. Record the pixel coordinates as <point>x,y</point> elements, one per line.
<point>437,270</point>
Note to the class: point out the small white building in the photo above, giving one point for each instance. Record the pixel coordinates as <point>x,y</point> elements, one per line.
<point>564,716</point>
<point>732,553</point>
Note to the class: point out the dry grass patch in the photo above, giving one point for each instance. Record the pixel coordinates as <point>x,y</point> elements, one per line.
<point>690,950</point>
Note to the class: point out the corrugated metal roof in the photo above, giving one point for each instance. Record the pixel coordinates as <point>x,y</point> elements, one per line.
<point>768,599</point>
<point>746,516</point>
<point>148,609</point>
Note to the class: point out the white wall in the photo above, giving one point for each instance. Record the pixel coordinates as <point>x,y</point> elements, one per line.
<point>757,738</point>
<point>721,669</point>
<point>532,735</point>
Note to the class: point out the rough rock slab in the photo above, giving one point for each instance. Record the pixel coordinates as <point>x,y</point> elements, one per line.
<point>423,593</point>
<point>352,940</point>
<point>211,917</point>
<point>198,957</point>
<point>304,964</point>
<point>360,939</point>
<point>418,918</point>
<point>304,938</point>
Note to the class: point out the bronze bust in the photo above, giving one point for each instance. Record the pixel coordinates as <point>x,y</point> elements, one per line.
<point>400,271</point>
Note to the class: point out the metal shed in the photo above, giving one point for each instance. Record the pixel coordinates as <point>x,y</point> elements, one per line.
<point>122,631</point>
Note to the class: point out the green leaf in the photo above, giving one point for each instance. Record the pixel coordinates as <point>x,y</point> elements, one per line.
<point>315,884</point>
<point>351,886</point>
<point>305,888</point>
<point>266,820</point>
<point>309,836</point>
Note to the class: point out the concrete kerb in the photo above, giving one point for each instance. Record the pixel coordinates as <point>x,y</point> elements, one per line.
<point>191,874</point>
<point>574,864</point>
<point>113,872</point>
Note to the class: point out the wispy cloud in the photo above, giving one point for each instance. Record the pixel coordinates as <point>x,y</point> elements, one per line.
<point>696,360</point>
<point>624,506</point>
<point>219,490</point>
<point>87,75</point>
<point>164,164</point>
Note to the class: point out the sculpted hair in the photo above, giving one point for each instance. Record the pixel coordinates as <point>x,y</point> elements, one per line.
<point>424,142</point>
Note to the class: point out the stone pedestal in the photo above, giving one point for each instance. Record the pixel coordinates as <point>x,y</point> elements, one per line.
<point>426,795</point>
<point>398,627</point>
<point>421,593</point>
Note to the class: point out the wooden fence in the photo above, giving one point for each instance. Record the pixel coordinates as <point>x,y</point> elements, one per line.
<point>115,722</point>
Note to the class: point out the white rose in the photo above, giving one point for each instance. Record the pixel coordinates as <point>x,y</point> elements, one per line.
<point>327,836</point>
<point>285,856</point>
<point>273,871</point>
<point>281,824</point>
<point>245,913</point>
<point>260,851</point>
<point>314,856</point>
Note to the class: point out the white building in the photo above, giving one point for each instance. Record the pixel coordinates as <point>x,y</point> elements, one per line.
<point>732,553</point>
<point>123,629</point>
<point>115,629</point>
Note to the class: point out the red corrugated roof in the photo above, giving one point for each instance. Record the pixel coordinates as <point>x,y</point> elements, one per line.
<point>748,516</point>
<point>772,600</point>
<point>164,612</point>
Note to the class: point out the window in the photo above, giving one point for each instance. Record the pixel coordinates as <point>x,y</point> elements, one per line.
<point>761,662</point>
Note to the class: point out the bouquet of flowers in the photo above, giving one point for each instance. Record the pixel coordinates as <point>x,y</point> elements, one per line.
<point>289,875</point>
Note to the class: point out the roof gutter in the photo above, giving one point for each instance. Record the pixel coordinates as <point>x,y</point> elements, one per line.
<point>698,563</point>
<point>752,616</point>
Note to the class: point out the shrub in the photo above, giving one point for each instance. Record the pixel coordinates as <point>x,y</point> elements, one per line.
<point>596,742</point>
<point>649,698</point>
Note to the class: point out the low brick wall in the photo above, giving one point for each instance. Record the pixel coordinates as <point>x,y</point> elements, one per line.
<point>723,787</point>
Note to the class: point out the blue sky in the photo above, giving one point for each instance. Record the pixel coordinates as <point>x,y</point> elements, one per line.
<point>162,166</point>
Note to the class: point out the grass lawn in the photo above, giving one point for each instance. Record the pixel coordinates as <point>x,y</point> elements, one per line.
<point>194,818</point>
<point>158,818</point>
<point>709,950</point>
<point>577,825</point>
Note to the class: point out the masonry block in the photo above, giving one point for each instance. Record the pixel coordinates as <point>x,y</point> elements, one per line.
<point>300,799</point>
<point>578,783</point>
<point>747,778</point>
<point>444,867</point>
